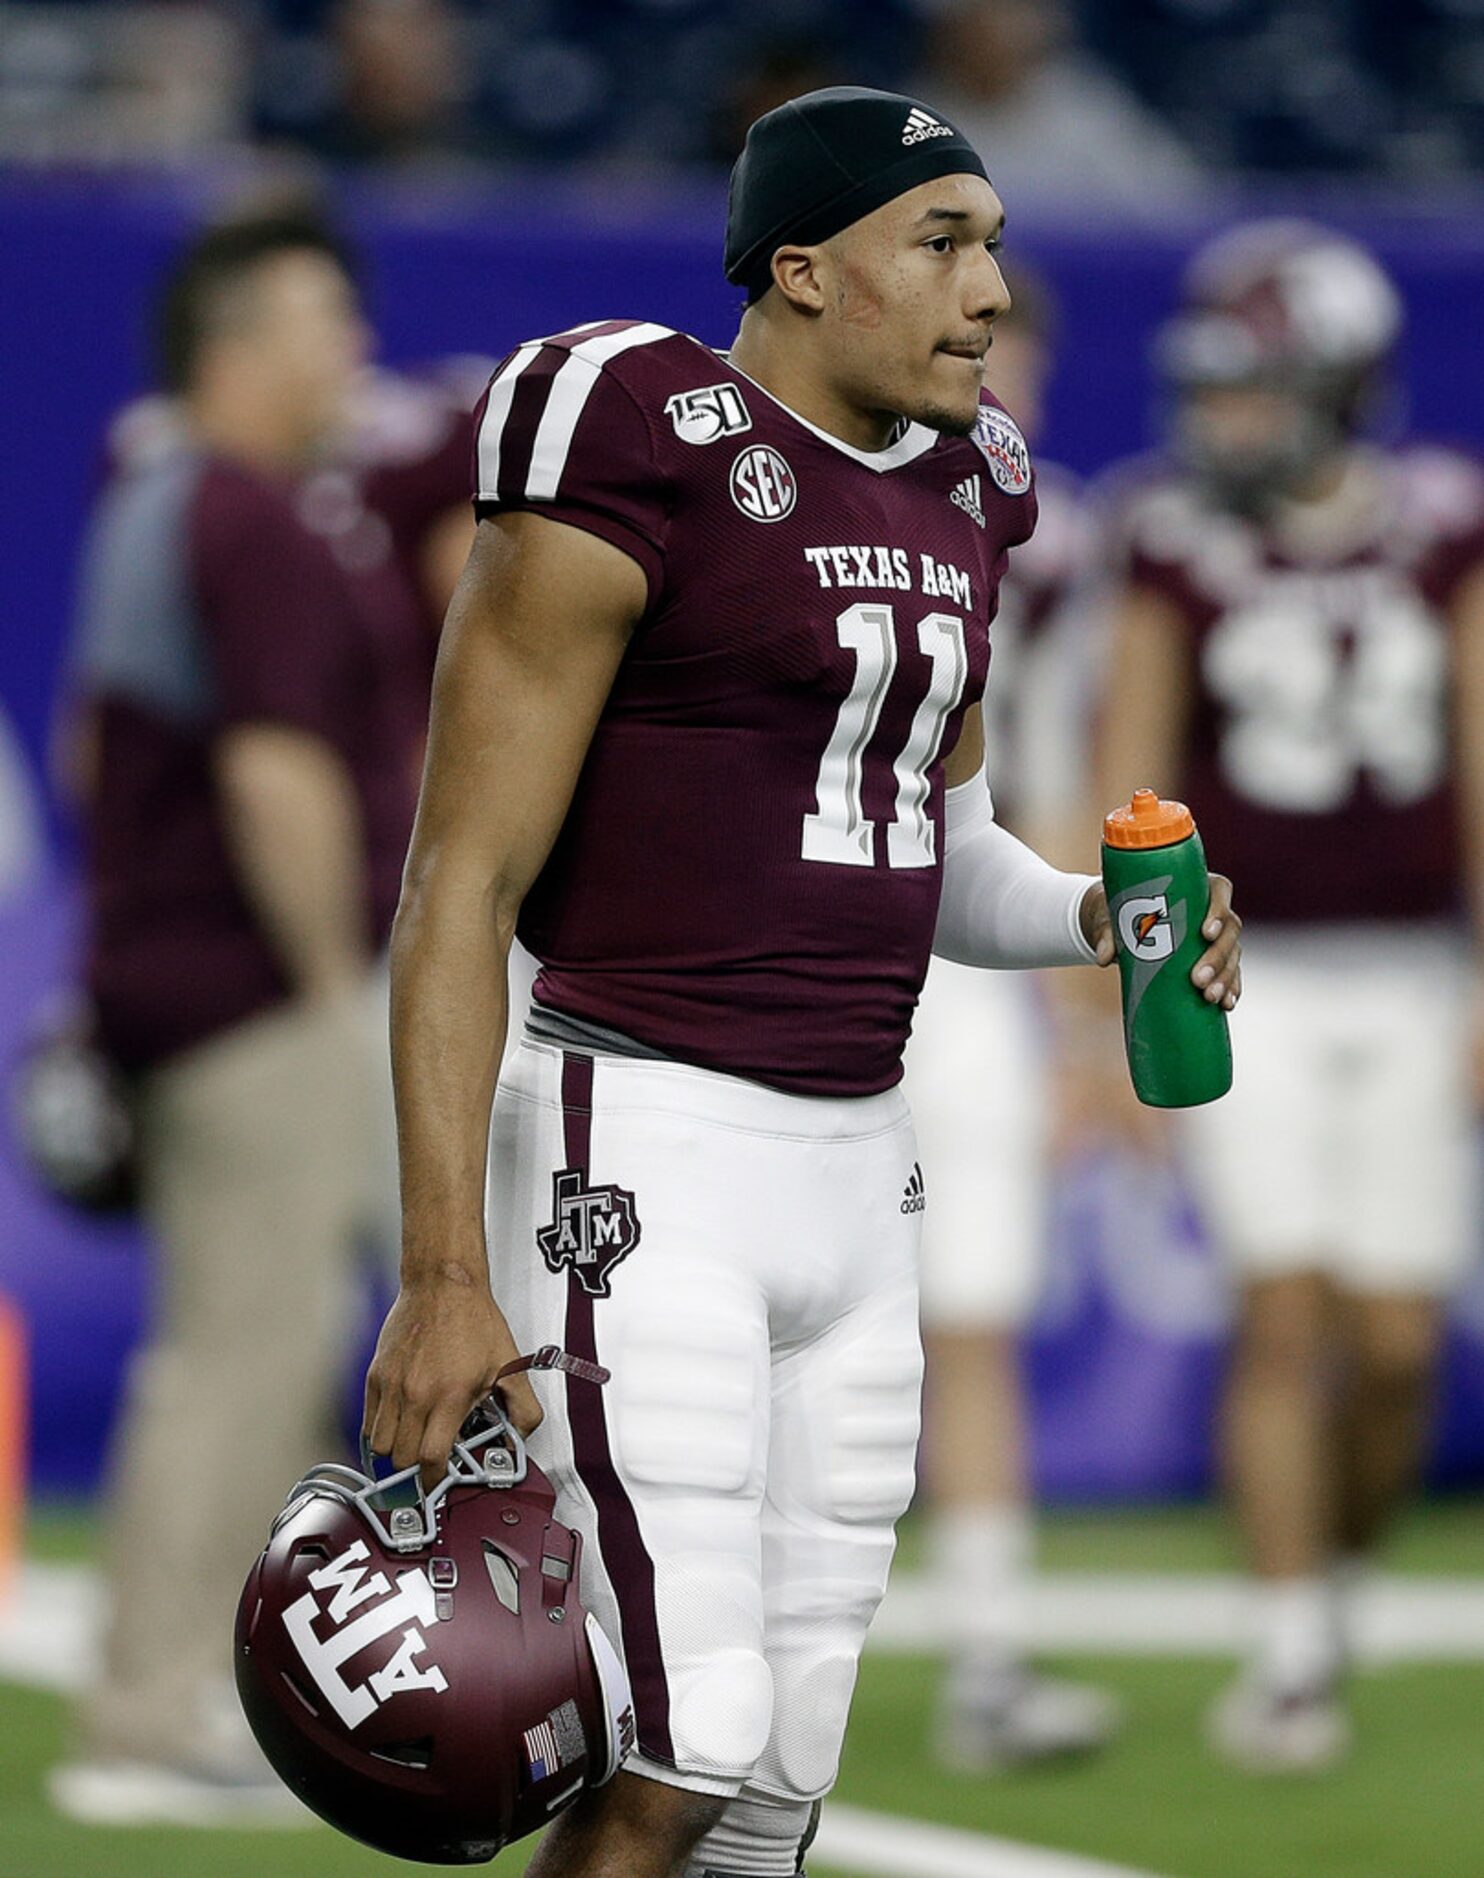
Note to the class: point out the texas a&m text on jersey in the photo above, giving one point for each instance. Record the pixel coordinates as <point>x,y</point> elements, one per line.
<point>818,624</point>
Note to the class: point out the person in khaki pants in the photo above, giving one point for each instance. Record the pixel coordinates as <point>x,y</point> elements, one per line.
<point>247,756</point>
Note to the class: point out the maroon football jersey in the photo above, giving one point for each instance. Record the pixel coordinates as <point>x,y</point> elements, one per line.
<point>748,875</point>
<point>1319,755</point>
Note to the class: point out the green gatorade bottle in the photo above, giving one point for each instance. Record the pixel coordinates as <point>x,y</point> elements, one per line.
<point>1154,870</point>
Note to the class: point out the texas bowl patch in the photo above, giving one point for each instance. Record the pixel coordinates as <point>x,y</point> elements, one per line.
<point>1003,449</point>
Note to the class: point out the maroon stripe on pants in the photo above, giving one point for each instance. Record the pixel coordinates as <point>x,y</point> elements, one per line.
<point>629,1565</point>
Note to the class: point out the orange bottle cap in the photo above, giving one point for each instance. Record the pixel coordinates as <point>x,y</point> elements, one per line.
<point>1148,822</point>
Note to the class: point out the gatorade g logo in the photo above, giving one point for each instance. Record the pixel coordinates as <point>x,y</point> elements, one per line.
<point>1144,927</point>
<point>1150,932</point>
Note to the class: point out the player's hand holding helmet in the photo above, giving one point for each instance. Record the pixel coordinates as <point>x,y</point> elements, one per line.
<point>418,1667</point>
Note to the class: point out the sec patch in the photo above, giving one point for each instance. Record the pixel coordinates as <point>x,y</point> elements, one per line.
<point>1004,450</point>
<point>762,484</point>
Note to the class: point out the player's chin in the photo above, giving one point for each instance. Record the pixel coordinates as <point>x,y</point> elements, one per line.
<point>951,405</point>
<point>953,419</point>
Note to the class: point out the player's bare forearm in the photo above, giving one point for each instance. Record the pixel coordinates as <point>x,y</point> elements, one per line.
<point>534,637</point>
<point>291,819</point>
<point>449,956</point>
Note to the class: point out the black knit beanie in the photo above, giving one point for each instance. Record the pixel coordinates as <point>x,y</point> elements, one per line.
<point>821,162</point>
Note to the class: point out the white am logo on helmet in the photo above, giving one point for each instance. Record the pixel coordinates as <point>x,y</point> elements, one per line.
<point>704,415</point>
<point>1144,927</point>
<point>351,1585</point>
<point>1004,449</point>
<point>763,485</point>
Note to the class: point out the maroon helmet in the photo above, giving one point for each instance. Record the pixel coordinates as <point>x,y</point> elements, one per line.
<point>1292,308</point>
<point>419,1669</point>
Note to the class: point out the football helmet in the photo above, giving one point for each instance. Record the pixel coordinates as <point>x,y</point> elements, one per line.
<point>418,1667</point>
<point>1286,307</point>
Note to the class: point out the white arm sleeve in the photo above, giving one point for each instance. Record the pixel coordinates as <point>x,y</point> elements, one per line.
<point>1002,905</point>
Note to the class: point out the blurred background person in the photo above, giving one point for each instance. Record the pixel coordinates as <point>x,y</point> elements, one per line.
<point>777,70</point>
<point>388,488</point>
<point>248,779</point>
<point>22,836</point>
<point>1299,652</point>
<point>399,87</point>
<point>1057,126</point>
<point>980,1087</point>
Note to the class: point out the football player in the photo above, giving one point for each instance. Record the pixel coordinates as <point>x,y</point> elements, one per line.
<point>982,1097</point>
<point>705,732</point>
<point>1299,654</point>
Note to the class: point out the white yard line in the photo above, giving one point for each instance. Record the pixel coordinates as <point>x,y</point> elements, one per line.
<point>49,1620</point>
<point>880,1845</point>
<point>1159,1614</point>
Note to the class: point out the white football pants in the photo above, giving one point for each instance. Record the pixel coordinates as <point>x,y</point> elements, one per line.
<point>745,1263</point>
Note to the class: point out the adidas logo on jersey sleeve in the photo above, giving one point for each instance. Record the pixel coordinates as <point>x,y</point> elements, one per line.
<point>914,1194</point>
<point>966,496</point>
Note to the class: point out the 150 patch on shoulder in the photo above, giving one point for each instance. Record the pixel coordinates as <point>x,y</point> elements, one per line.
<point>713,411</point>
<point>1003,449</point>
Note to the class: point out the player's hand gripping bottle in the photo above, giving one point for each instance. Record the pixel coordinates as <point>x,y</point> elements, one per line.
<point>1154,871</point>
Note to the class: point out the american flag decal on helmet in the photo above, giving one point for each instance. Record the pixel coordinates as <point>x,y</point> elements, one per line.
<point>542,1756</point>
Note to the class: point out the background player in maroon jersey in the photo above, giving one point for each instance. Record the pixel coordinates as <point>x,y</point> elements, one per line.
<point>247,797</point>
<point>386,488</point>
<point>722,622</point>
<point>1298,654</point>
<point>979,1077</point>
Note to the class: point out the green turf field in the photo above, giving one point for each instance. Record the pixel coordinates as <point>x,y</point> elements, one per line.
<point>1408,1804</point>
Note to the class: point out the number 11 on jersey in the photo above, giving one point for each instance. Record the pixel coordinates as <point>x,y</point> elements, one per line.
<point>838,832</point>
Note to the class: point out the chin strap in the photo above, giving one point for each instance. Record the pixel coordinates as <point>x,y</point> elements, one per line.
<point>549,1356</point>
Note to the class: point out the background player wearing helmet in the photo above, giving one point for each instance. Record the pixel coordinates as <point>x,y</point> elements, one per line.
<point>618,677</point>
<point>1298,653</point>
<point>979,1079</point>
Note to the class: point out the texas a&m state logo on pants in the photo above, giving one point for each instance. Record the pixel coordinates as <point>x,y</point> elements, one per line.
<point>593,1228</point>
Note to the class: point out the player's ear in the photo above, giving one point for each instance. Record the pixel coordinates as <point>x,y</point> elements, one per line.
<point>797,274</point>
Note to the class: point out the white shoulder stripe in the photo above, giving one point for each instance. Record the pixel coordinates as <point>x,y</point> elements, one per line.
<point>496,415</point>
<point>587,326</point>
<point>571,387</point>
